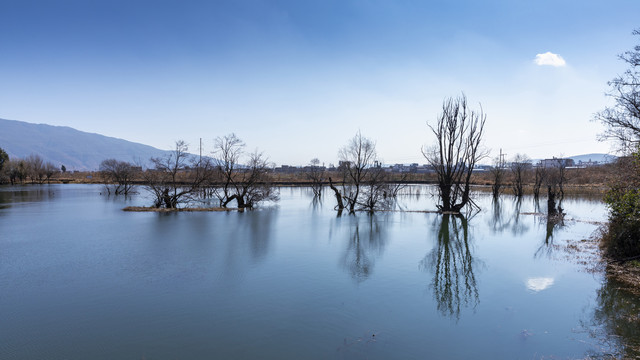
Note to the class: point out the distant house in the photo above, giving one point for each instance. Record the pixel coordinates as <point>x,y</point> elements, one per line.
<point>557,162</point>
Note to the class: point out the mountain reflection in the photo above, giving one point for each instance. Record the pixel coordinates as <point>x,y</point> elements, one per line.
<point>452,264</point>
<point>367,237</point>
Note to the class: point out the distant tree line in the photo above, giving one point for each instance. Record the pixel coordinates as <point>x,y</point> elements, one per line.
<point>32,169</point>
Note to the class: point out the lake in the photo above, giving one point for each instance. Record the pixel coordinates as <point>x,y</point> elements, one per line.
<point>82,279</point>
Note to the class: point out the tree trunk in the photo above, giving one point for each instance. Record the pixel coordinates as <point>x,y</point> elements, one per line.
<point>338,196</point>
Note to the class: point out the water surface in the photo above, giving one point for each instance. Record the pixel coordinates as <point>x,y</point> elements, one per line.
<point>81,279</point>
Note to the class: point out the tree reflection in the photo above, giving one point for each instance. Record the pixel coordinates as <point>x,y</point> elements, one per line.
<point>552,223</point>
<point>615,322</point>
<point>451,261</point>
<point>501,221</point>
<point>367,239</point>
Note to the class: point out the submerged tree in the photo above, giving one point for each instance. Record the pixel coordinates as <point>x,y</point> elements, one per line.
<point>228,150</point>
<point>519,167</point>
<point>247,184</point>
<point>364,182</point>
<point>316,174</point>
<point>540,174</point>
<point>497,175</point>
<point>555,180</point>
<point>120,174</point>
<point>458,131</point>
<point>177,178</point>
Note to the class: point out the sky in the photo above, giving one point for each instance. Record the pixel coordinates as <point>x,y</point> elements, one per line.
<point>297,79</point>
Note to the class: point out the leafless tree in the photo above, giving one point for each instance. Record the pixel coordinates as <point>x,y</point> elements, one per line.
<point>519,167</point>
<point>364,185</point>
<point>377,193</point>
<point>177,178</point>
<point>622,120</point>
<point>17,170</point>
<point>540,174</point>
<point>253,184</point>
<point>247,184</point>
<point>4,158</point>
<point>458,131</point>
<point>228,150</point>
<point>49,170</point>
<point>316,174</point>
<point>555,179</point>
<point>497,175</point>
<point>120,174</point>
<point>35,168</point>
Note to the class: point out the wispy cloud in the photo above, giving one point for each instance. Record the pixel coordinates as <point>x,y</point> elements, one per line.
<point>549,59</point>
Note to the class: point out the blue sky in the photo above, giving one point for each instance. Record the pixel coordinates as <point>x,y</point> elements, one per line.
<point>297,79</point>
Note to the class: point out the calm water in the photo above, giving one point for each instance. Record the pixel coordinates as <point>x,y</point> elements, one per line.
<point>81,279</point>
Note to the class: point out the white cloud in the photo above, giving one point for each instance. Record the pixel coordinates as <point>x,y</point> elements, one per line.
<point>539,283</point>
<point>550,59</point>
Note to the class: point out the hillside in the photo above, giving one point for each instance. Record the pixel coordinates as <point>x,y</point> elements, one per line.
<point>599,158</point>
<point>76,150</point>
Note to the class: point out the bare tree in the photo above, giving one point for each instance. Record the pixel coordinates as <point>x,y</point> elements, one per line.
<point>228,150</point>
<point>253,184</point>
<point>497,175</point>
<point>316,174</point>
<point>17,170</point>
<point>35,168</point>
<point>540,177</point>
<point>458,132</point>
<point>49,170</point>
<point>4,158</point>
<point>555,179</point>
<point>622,120</point>
<point>247,185</point>
<point>120,173</point>
<point>519,167</point>
<point>177,178</point>
<point>364,180</point>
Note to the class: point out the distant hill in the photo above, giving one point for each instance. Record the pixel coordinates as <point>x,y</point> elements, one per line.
<point>586,158</point>
<point>76,150</point>
<point>596,157</point>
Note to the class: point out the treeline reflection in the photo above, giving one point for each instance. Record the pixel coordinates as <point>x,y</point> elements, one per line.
<point>452,264</point>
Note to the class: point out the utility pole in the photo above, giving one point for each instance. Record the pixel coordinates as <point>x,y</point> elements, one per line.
<point>502,156</point>
<point>200,151</point>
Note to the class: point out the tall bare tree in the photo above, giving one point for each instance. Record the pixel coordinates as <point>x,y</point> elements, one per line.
<point>228,150</point>
<point>458,131</point>
<point>622,120</point>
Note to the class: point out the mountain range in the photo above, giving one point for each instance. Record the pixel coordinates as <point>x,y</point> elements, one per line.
<point>76,150</point>
<point>79,150</point>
